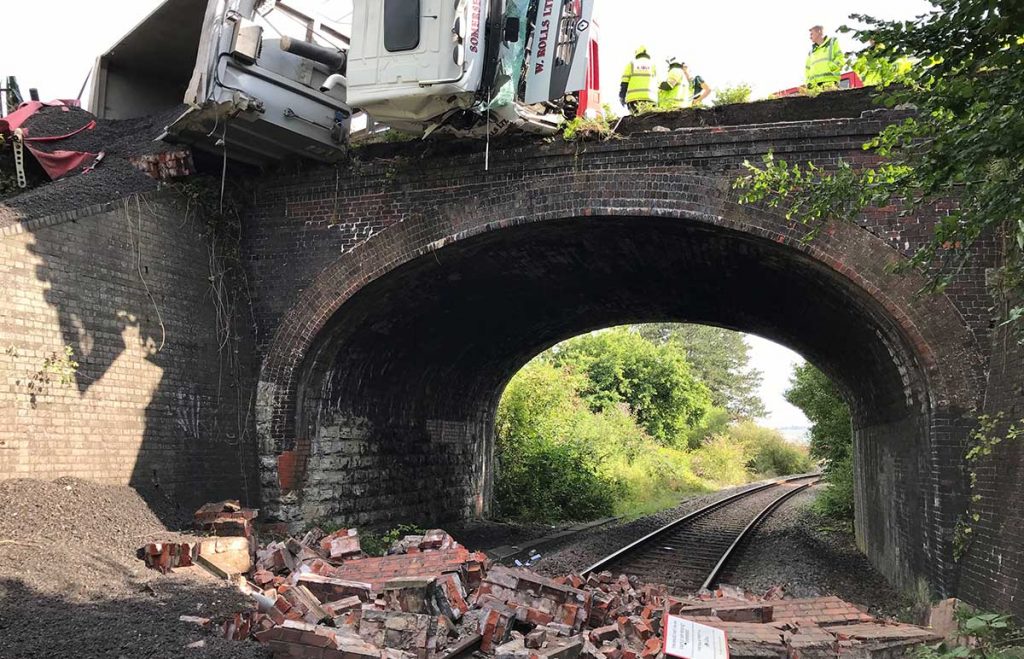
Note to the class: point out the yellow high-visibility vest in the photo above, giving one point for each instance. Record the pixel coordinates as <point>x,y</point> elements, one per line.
<point>639,78</point>
<point>678,94</point>
<point>825,63</point>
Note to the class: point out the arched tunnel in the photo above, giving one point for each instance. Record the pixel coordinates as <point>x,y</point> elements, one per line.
<point>395,399</point>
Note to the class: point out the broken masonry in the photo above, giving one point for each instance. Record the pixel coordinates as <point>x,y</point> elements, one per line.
<point>430,597</point>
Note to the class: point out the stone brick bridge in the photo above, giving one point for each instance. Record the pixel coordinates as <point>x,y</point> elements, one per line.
<point>394,299</point>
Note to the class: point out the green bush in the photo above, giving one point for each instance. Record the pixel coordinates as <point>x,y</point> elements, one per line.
<point>553,481</point>
<point>831,437</point>
<point>736,94</point>
<point>721,462</point>
<point>548,468</point>
<point>715,422</point>
<point>654,479</point>
<point>836,500</point>
<point>769,454</point>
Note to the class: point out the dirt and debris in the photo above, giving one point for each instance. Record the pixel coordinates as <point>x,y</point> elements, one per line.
<point>319,596</point>
<point>72,586</point>
<point>844,104</point>
<point>134,159</point>
<point>68,561</point>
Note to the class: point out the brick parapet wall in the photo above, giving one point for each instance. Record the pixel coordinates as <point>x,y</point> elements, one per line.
<point>153,404</point>
<point>302,222</point>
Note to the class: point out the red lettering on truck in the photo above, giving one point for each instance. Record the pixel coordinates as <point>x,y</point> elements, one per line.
<point>474,28</point>
<point>544,35</point>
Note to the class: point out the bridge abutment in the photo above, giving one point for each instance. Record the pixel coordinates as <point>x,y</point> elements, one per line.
<point>394,299</point>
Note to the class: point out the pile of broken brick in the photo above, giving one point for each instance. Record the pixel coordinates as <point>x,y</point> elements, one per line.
<point>320,596</point>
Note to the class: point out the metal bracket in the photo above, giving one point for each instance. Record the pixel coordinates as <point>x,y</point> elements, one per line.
<point>19,158</point>
<point>290,114</point>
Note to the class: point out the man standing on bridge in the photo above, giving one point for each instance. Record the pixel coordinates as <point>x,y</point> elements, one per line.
<point>674,92</point>
<point>638,82</point>
<point>825,62</point>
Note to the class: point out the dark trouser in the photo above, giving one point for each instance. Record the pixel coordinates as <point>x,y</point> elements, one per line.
<point>634,106</point>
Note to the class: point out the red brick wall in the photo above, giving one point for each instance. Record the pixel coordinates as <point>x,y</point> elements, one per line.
<point>157,407</point>
<point>399,294</point>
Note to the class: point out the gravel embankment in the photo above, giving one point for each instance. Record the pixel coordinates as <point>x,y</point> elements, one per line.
<point>71,585</point>
<point>809,557</point>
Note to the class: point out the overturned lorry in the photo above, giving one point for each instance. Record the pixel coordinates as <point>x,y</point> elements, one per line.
<point>262,81</point>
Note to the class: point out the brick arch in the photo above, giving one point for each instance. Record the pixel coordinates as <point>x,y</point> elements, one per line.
<point>938,345</point>
<point>856,255</point>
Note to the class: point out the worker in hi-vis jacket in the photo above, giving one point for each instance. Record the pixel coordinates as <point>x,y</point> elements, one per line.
<point>826,60</point>
<point>674,91</point>
<point>638,81</point>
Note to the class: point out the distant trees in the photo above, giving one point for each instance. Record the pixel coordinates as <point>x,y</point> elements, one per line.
<point>654,380</point>
<point>831,436</point>
<point>720,358</point>
<point>615,422</point>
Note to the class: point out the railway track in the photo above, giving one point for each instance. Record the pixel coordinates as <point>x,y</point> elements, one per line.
<point>692,552</point>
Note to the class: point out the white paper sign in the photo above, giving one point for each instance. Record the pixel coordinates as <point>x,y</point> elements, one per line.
<point>691,640</point>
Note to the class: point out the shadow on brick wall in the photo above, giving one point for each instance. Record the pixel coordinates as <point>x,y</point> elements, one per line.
<point>162,396</point>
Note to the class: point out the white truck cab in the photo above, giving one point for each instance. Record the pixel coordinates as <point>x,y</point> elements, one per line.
<point>468,66</point>
<point>413,60</point>
<point>464,67</point>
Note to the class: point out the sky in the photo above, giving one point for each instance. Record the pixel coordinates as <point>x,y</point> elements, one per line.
<point>52,44</point>
<point>776,364</point>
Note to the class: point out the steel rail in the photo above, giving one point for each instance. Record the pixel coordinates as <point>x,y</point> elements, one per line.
<point>689,517</point>
<point>768,510</point>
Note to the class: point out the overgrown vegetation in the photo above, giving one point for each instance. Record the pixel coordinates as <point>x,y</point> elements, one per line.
<point>981,636</point>
<point>601,127</point>
<point>617,423</point>
<point>831,438</point>
<point>376,544</point>
<point>990,432</point>
<point>736,94</point>
<point>963,142</point>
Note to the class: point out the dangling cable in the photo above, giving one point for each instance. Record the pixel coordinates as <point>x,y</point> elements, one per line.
<point>224,166</point>
<point>487,148</point>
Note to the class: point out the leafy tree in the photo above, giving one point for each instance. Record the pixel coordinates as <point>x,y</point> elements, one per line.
<point>714,424</point>
<point>831,436</point>
<point>720,358</point>
<point>654,381</point>
<point>548,470</point>
<point>964,141</point>
<point>831,430</point>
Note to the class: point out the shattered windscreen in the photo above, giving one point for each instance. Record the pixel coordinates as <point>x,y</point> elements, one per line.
<point>511,57</point>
